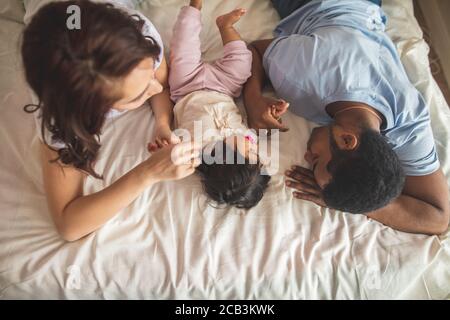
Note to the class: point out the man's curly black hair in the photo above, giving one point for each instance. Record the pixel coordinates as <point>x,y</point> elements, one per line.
<point>240,184</point>
<point>364,179</point>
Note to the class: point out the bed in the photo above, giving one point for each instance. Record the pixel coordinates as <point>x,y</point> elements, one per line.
<point>170,243</point>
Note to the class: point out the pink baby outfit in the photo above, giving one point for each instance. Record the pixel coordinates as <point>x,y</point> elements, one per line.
<point>188,73</point>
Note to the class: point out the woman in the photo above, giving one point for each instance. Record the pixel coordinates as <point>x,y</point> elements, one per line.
<point>113,63</point>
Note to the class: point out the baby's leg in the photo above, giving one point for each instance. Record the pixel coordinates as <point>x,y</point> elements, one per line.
<point>230,72</point>
<point>196,4</point>
<point>225,24</point>
<point>185,52</point>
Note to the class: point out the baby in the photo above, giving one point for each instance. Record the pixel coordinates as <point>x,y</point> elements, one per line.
<point>204,92</point>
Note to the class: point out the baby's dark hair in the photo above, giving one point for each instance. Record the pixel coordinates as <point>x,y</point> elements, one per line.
<point>238,184</point>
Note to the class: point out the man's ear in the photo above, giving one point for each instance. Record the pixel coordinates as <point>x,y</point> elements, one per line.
<point>346,140</point>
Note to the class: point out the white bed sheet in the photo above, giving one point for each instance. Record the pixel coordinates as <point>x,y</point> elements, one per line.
<point>171,244</point>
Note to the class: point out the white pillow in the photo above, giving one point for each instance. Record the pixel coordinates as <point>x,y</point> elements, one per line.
<point>12,10</point>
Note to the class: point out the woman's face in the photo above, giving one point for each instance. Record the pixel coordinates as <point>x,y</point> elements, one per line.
<point>138,86</point>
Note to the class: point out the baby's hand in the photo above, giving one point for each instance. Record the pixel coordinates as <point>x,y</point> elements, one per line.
<point>163,137</point>
<point>265,113</point>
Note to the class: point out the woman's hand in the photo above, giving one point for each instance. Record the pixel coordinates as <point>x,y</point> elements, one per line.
<point>76,215</point>
<point>171,162</point>
<point>304,182</point>
<point>265,113</point>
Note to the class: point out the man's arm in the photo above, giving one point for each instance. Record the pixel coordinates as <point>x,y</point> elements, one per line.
<point>262,112</point>
<point>423,206</point>
<point>255,84</point>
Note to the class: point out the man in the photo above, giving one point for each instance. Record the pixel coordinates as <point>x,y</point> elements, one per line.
<point>374,152</point>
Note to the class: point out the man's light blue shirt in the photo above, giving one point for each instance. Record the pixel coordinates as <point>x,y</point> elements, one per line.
<point>337,50</point>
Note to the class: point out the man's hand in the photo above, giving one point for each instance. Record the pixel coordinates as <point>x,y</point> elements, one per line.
<point>265,113</point>
<point>262,112</point>
<point>423,207</point>
<point>304,182</point>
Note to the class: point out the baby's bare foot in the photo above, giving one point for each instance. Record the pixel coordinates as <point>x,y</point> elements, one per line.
<point>196,4</point>
<point>227,20</point>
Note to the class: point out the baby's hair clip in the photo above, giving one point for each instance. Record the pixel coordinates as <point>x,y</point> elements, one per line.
<point>250,138</point>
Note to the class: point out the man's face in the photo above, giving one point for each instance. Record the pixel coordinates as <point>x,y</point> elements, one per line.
<point>318,154</point>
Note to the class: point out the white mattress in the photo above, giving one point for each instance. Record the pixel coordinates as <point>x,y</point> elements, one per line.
<point>170,243</point>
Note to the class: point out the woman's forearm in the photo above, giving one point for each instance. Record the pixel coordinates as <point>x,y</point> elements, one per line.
<point>88,213</point>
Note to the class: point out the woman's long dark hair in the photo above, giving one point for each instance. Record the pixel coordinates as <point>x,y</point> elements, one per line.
<point>75,73</point>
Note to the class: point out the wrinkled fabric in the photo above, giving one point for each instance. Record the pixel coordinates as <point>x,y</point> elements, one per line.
<point>171,243</point>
